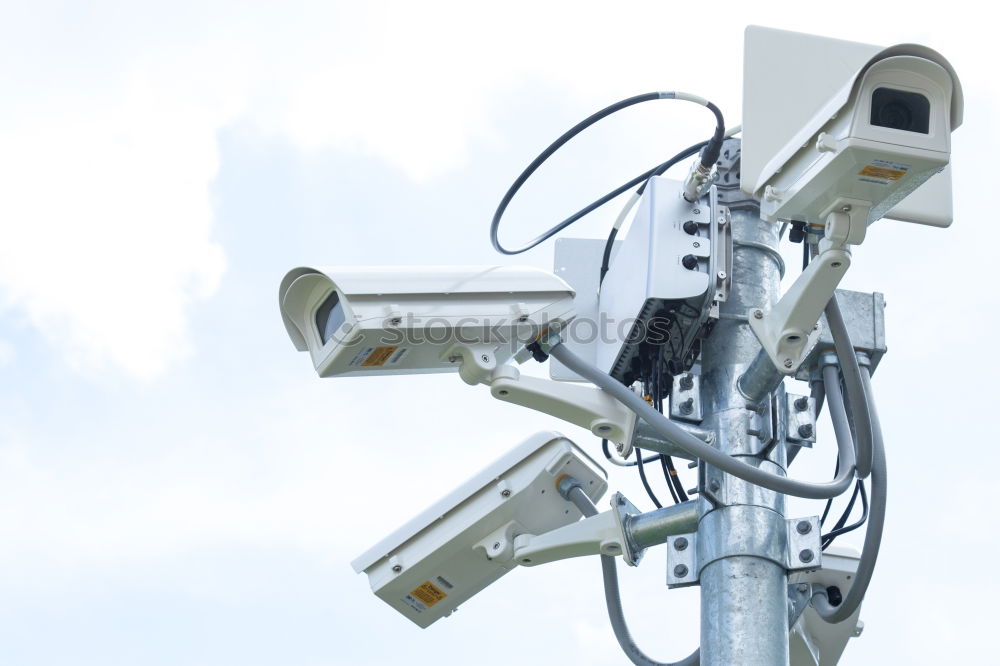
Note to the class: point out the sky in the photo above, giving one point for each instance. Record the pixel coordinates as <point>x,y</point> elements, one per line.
<point>176,484</point>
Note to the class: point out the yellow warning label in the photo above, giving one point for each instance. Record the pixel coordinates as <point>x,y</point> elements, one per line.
<point>882,173</point>
<point>378,356</point>
<point>428,593</point>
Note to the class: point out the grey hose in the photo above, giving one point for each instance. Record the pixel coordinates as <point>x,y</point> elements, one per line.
<point>614,601</point>
<point>854,386</point>
<point>699,449</point>
<point>876,520</point>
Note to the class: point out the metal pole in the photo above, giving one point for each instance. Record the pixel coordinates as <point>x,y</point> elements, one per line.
<point>744,616</point>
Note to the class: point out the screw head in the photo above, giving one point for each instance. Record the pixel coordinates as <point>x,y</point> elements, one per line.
<point>486,359</point>
<point>681,571</point>
<point>758,314</point>
<point>803,588</point>
<point>722,275</point>
<point>714,486</point>
<point>788,363</point>
<point>505,492</point>
<point>396,568</point>
<point>801,404</point>
<point>806,555</point>
<point>680,543</point>
<point>496,545</point>
<point>805,430</point>
<point>696,211</point>
<point>804,527</point>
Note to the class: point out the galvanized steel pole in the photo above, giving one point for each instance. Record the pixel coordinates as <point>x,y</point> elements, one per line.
<point>744,616</point>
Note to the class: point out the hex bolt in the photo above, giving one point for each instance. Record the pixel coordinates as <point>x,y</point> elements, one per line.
<point>714,486</point>
<point>396,568</point>
<point>687,406</point>
<point>806,430</point>
<point>687,382</point>
<point>758,314</point>
<point>680,571</point>
<point>788,363</point>
<point>803,588</point>
<point>680,543</point>
<point>689,262</point>
<point>806,555</point>
<point>505,492</point>
<point>804,527</point>
<point>691,227</point>
<point>801,403</point>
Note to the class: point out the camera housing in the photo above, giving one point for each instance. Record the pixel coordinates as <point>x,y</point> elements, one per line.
<point>838,126</point>
<point>400,320</point>
<point>463,543</point>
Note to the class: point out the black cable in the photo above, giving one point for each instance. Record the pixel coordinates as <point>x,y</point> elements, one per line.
<point>829,502</point>
<point>714,145</point>
<point>666,475</point>
<point>656,171</point>
<point>840,529</point>
<point>673,479</point>
<point>645,483</point>
<point>805,253</point>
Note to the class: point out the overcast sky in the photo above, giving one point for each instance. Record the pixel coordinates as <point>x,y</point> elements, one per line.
<point>176,484</point>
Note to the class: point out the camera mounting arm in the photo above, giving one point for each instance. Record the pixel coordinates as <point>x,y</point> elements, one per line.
<point>590,408</point>
<point>788,331</point>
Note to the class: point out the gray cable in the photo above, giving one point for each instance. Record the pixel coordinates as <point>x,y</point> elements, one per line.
<point>614,601</point>
<point>855,388</point>
<point>876,519</point>
<point>695,447</point>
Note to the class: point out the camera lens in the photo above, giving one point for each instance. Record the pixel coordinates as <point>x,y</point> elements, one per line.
<point>900,110</point>
<point>896,116</point>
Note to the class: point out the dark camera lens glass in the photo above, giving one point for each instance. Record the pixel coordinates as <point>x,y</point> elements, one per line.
<point>900,110</point>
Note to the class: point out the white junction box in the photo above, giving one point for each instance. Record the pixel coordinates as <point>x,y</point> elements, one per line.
<point>464,542</point>
<point>662,280</point>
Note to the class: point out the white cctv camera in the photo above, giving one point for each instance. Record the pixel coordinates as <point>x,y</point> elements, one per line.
<point>469,539</point>
<point>834,126</point>
<point>397,320</point>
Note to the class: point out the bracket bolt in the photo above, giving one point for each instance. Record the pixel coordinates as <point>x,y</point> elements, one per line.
<point>687,382</point>
<point>804,527</point>
<point>714,486</point>
<point>680,543</point>
<point>681,570</point>
<point>687,406</point>
<point>788,363</point>
<point>803,588</point>
<point>801,404</point>
<point>505,492</point>
<point>696,211</point>
<point>758,314</point>
<point>486,359</point>
<point>396,568</point>
<point>805,430</point>
<point>806,555</point>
